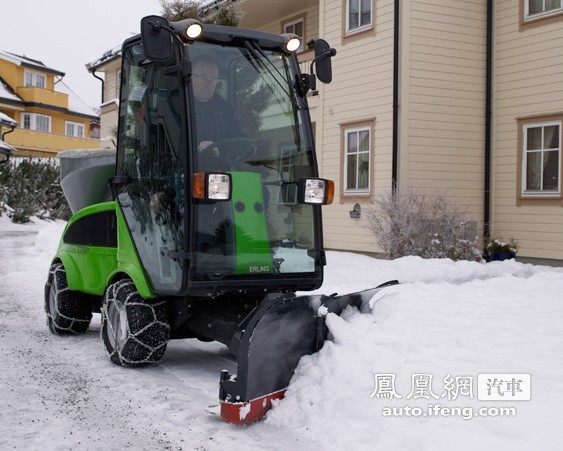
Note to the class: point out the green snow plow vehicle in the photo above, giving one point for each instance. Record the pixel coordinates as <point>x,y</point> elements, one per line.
<point>211,220</point>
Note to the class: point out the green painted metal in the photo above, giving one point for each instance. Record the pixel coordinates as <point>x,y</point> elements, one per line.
<point>253,254</point>
<point>90,269</point>
<point>128,259</point>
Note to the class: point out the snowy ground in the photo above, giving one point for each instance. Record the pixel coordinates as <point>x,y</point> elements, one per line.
<point>446,321</point>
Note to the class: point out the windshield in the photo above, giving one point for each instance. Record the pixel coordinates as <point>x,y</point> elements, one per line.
<point>248,122</point>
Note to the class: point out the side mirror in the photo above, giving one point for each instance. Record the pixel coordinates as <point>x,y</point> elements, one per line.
<point>323,63</point>
<point>323,55</point>
<point>156,39</point>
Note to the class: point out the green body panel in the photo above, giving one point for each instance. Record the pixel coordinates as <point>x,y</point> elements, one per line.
<point>90,269</point>
<point>128,259</point>
<point>253,254</point>
<point>87,266</point>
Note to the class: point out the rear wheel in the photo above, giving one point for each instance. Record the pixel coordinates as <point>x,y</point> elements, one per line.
<point>68,312</point>
<point>135,331</point>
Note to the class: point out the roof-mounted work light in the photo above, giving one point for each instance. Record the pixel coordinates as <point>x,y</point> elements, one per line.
<point>292,42</point>
<point>188,28</point>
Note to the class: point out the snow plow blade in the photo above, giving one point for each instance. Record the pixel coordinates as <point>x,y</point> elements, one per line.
<point>269,344</point>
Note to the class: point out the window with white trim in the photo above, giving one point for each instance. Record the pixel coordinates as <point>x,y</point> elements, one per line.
<point>74,129</point>
<point>36,79</point>
<point>296,27</point>
<point>358,14</point>
<point>541,159</point>
<point>538,8</point>
<point>38,122</point>
<point>357,160</point>
<point>117,84</point>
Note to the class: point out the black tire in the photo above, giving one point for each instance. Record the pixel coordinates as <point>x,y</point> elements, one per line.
<point>68,312</point>
<point>135,331</point>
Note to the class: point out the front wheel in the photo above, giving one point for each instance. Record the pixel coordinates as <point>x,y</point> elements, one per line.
<point>68,312</point>
<point>135,331</point>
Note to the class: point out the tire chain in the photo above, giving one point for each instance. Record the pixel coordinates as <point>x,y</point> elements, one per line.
<point>57,274</point>
<point>155,352</point>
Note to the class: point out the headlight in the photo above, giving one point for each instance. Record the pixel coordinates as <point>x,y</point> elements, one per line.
<point>316,191</point>
<point>212,186</point>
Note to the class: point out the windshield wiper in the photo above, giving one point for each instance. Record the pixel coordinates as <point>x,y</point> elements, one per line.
<point>259,54</point>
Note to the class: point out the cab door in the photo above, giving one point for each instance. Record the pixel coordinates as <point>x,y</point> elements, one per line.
<point>150,188</point>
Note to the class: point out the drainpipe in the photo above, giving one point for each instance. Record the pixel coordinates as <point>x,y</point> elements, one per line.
<point>395,162</point>
<point>488,123</point>
<point>103,83</point>
<point>9,131</point>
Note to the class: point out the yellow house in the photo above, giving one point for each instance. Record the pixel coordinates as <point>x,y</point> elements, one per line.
<point>51,116</point>
<point>462,97</point>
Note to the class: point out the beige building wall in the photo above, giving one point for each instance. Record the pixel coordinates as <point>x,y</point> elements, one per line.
<point>110,107</point>
<point>442,101</point>
<point>528,85</point>
<point>111,85</point>
<point>361,93</point>
<point>441,107</point>
<point>310,13</point>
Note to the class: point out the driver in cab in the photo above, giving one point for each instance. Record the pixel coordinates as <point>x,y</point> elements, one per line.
<point>215,118</point>
<point>216,123</point>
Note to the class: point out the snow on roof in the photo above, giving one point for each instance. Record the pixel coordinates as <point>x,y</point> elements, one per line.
<point>6,93</point>
<point>75,103</point>
<point>107,56</point>
<point>7,120</point>
<point>6,149</point>
<point>26,61</point>
<point>207,5</point>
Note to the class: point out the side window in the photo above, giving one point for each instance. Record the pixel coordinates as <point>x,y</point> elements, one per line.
<point>538,12</point>
<point>117,82</point>
<point>39,122</point>
<point>36,79</point>
<point>74,129</point>
<point>540,159</point>
<point>536,8</point>
<point>26,121</point>
<point>98,229</point>
<point>357,156</point>
<point>359,15</point>
<point>150,149</point>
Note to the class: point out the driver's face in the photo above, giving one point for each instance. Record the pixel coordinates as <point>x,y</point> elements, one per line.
<point>204,80</point>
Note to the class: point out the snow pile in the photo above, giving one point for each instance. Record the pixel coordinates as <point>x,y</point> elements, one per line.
<point>447,319</point>
<point>6,225</point>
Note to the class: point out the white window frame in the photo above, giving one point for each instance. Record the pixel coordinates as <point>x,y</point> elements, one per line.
<point>36,79</point>
<point>357,190</point>
<point>292,23</point>
<point>359,27</point>
<point>77,129</point>
<point>528,16</point>
<point>117,83</point>
<point>33,121</point>
<point>525,151</point>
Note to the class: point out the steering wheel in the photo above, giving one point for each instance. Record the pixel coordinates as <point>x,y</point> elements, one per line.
<point>232,150</point>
